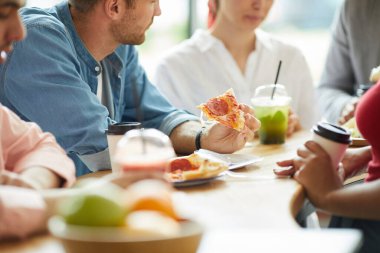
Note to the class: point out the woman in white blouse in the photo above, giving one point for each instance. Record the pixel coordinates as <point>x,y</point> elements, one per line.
<point>235,53</point>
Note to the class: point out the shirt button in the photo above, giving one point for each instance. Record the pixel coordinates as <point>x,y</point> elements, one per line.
<point>97,68</point>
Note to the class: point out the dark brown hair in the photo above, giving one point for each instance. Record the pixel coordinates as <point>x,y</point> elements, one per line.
<point>88,5</point>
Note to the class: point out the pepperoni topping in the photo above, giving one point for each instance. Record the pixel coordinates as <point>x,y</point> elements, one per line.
<point>180,164</point>
<point>217,106</point>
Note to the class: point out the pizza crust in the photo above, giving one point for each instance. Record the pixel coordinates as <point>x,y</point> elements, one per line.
<point>200,168</point>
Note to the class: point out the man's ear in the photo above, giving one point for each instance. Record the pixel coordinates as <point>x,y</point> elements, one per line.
<point>113,8</point>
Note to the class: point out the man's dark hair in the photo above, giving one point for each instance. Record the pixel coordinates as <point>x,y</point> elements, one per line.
<point>88,5</point>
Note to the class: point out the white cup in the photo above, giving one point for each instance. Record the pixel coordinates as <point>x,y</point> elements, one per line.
<point>333,139</point>
<point>114,133</point>
<point>143,150</point>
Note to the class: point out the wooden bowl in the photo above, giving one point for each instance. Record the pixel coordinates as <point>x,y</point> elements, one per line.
<point>83,239</point>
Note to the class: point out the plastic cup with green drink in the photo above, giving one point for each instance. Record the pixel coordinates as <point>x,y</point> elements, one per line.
<point>271,105</point>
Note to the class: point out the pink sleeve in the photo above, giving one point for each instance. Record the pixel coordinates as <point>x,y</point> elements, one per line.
<point>23,145</point>
<point>22,212</point>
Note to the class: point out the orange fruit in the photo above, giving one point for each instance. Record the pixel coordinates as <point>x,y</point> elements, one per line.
<point>151,195</point>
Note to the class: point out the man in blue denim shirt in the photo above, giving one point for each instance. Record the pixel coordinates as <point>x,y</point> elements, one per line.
<point>52,78</point>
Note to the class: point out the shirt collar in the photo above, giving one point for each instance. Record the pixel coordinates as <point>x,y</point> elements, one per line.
<point>263,40</point>
<point>205,41</point>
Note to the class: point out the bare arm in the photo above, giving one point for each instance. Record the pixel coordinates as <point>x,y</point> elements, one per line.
<point>43,177</point>
<point>313,170</point>
<point>37,178</point>
<point>183,137</point>
<point>214,137</point>
<point>358,201</point>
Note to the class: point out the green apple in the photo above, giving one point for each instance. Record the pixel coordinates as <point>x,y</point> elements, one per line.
<point>95,207</point>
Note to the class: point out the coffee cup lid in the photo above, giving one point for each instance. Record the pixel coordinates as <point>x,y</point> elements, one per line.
<point>122,127</point>
<point>332,132</point>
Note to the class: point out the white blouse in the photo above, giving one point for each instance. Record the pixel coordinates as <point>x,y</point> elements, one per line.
<point>201,67</point>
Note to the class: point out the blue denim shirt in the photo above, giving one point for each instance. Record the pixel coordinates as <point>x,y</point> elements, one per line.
<point>51,78</point>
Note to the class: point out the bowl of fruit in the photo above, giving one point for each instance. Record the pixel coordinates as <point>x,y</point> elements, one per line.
<point>110,219</point>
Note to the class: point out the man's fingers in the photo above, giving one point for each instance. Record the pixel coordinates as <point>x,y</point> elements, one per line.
<point>246,109</point>
<point>251,122</point>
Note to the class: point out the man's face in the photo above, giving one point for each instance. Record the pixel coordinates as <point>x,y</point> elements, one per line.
<point>11,27</point>
<point>131,28</point>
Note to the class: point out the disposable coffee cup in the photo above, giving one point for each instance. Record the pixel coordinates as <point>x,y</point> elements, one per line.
<point>333,139</point>
<point>114,133</point>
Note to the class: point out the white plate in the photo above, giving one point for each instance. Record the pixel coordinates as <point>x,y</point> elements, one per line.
<point>234,161</point>
<point>193,182</point>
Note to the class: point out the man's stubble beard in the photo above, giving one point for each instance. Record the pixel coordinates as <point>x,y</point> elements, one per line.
<point>120,32</point>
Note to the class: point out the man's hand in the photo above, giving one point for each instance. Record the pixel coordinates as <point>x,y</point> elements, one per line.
<point>223,139</point>
<point>348,111</point>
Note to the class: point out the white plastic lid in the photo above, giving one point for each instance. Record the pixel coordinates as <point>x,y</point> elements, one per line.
<point>143,146</point>
<point>263,95</point>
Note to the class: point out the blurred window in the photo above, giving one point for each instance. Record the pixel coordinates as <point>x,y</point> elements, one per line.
<point>304,23</point>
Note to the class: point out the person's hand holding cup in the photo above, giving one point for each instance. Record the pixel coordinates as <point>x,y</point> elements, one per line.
<point>334,140</point>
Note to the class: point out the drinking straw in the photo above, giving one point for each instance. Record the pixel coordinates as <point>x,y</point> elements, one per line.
<point>275,81</point>
<point>139,114</point>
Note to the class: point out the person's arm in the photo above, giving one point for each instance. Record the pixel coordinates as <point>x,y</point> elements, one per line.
<point>57,96</point>
<point>358,201</point>
<point>33,156</point>
<point>337,85</point>
<point>354,160</point>
<point>22,212</point>
<point>214,137</point>
<point>325,190</point>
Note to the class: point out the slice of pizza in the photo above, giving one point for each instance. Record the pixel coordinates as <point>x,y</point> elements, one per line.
<point>194,167</point>
<point>225,110</point>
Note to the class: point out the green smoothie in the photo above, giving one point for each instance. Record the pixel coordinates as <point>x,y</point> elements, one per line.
<point>274,123</point>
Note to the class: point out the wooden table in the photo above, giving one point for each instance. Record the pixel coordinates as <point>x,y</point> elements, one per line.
<point>260,201</point>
